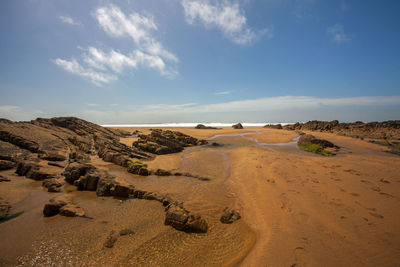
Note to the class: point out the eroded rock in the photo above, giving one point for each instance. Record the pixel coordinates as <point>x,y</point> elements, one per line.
<point>237,126</point>
<point>229,216</point>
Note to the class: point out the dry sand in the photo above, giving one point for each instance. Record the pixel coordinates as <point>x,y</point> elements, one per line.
<point>298,209</point>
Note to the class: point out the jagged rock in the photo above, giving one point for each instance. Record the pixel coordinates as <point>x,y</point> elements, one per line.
<point>71,210</point>
<point>75,170</point>
<point>52,185</point>
<point>273,126</point>
<point>229,216</point>
<point>32,171</point>
<point>310,139</point>
<point>6,165</point>
<point>176,217</point>
<point>164,142</point>
<point>139,169</point>
<point>195,224</point>
<point>55,204</point>
<point>120,191</point>
<point>89,180</point>
<point>104,186</point>
<point>237,126</point>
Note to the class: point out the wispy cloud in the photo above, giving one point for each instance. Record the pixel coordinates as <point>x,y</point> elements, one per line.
<point>337,34</point>
<point>223,93</point>
<point>69,20</point>
<point>72,66</point>
<point>92,104</point>
<point>102,67</point>
<point>225,16</point>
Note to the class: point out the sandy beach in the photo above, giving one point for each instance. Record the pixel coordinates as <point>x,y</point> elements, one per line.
<point>297,208</point>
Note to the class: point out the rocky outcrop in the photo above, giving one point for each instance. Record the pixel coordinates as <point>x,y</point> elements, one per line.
<point>273,126</point>
<point>75,170</point>
<point>377,130</point>
<point>203,127</point>
<point>138,168</point>
<point>165,142</point>
<point>310,143</point>
<point>229,216</point>
<point>64,206</point>
<point>31,170</point>
<point>6,165</point>
<point>237,126</point>
<point>52,185</point>
<point>182,220</point>
<point>19,141</point>
<point>71,210</point>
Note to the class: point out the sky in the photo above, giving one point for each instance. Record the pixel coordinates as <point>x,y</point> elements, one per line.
<point>155,61</point>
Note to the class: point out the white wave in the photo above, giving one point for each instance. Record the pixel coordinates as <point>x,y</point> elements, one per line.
<point>188,124</point>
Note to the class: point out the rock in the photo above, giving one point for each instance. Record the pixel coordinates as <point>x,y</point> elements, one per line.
<point>203,127</point>
<point>75,170</point>
<point>274,126</point>
<point>52,185</point>
<point>126,232</point>
<point>24,167</point>
<point>176,217</point>
<point>195,224</point>
<point>121,191</point>
<point>89,180</point>
<point>55,164</point>
<point>53,207</point>
<point>229,216</point>
<point>160,172</point>
<point>111,239</point>
<point>51,156</point>
<point>71,210</point>
<point>237,126</point>
<point>139,169</point>
<point>38,175</point>
<point>104,186</point>
<point>216,144</point>
<point>6,165</point>
<point>309,139</point>
<point>4,179</point>
<point>19,141</point>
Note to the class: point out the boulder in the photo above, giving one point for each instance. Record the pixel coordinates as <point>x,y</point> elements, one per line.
<point>6,165</point>
<point>274,126</point>
<point>71,210</point>
<point>237,126</point>
<point>89,180</point>
<point>51,156</point>
<point>139,169</point>
<point>52,185</point>
<point>203,127</point>
<point>176,217</point>
<point>229,216</point>
<point>160,172</point>
<point>75,170</point>
<point>120,191</point>
<point>104,186</point>
<point>54,205</point>
<point>24,167</point>
<point>195,224</point>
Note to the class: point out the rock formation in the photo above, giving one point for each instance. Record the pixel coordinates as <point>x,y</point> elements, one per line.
<point>237,126</point>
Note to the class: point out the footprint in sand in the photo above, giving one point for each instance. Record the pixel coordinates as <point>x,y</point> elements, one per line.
<point>365,182</point>
<point>384,181</point>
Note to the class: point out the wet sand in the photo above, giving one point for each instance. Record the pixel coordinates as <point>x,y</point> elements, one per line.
<point>298,209</point>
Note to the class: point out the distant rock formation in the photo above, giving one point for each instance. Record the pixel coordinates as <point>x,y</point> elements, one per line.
<point>273,126</point>
<point>237,126</point>
<point>203,127</point>
<point>377,130</point>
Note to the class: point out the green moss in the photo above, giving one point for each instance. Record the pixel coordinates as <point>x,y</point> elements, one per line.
<point>315,148</point>
<point>9,217</point>
<point>86,159</point>
<point>138,163</point>
<point>69,191</point>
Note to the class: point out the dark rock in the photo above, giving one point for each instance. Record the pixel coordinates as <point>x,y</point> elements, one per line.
<point>126,232</point>
<point>309,139</point>
<point>104,186</point>
<point>216,144</point>
<point>24,167</point>
<point>52,185</point>
<point>19,141</point>
<point>6,165</point>
<point>55,164</point>
<point>89,180</point>
<point>139,169</point>
<point>229,216</point>
<point>176,217</point>
<point>75,170</point>
<point>71,210</point>
<point>202,126</point>
<point>53,207</point>
<point>273,126</point>
<point>38,175</point>
<point>160,172</point>
<point>51,156</point>
<point>121,191</point>
<point>4,179</point>
<point>195,224</point>
<point>237,126</point>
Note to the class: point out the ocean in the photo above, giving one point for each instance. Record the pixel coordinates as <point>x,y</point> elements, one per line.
<point>189,124</point>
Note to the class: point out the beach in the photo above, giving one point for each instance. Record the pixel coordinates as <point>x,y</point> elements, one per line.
<point>297,208</point>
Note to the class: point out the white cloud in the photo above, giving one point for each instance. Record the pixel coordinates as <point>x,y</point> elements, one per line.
<point>337,34</point>
<point>98,78</point>
<point>223,93</point>
<point>69,20</point>
<point>225,16</point>
<point>138,27</point>
<point>92,104</point>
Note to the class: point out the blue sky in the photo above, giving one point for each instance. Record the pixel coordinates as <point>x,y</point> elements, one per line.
<point>200,60</point>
